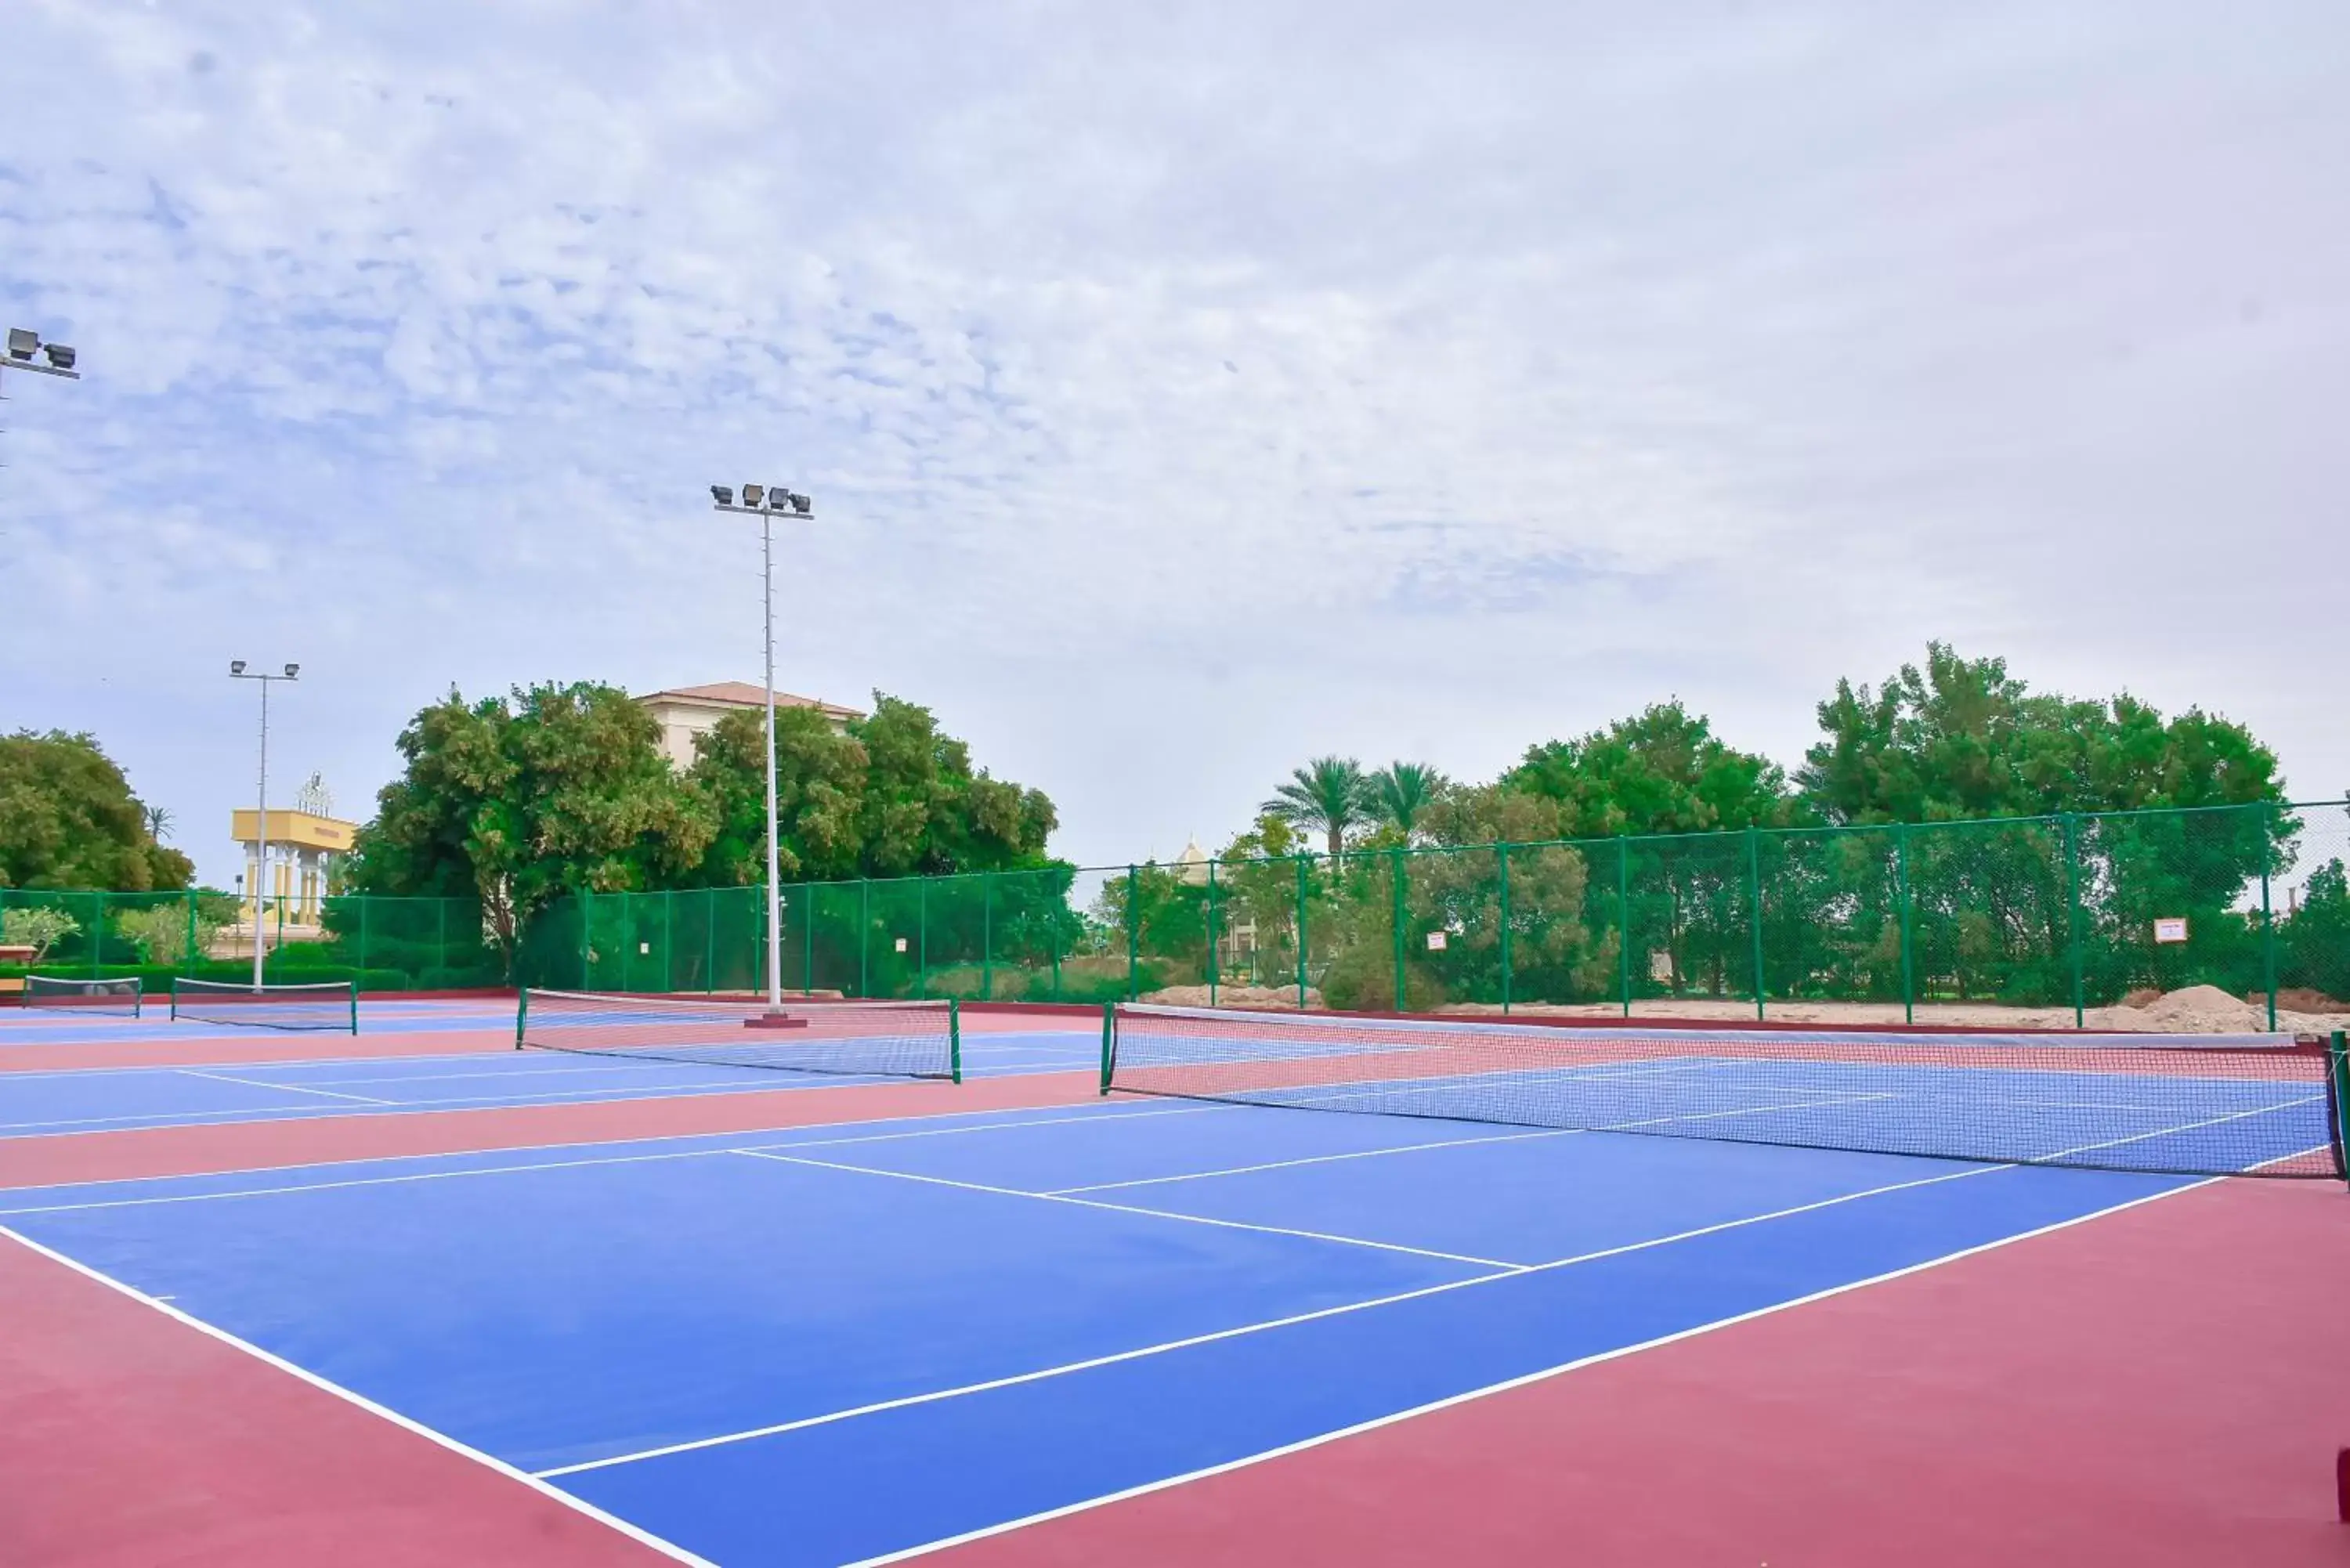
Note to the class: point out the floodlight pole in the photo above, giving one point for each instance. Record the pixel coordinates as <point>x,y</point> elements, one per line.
<point>796,506</point>
<point>237,672</point>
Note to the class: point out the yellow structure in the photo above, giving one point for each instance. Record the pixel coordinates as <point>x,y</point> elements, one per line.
<point>302,844</point>
<point>690,711</point>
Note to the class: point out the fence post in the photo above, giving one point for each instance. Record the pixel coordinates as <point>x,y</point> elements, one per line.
<point>1133,930</point>
<point>807,937</point>
<point>987,935</point>
<point>2073,908</point>
<point>709,942</point>
<point>668,940</point>
<point>98,934</point>
<point>1901,892</point>
<point>1623,918</point>
<point>1503,851</point>
<point>440,908</point>
<point>628,936</point>
<point>2268,920</point>
<point>586,927</point>
<point>1395,881</point>
<point>1754,902</point>
<point>1301,932</point>
<point>922,937</point>
<point>1213,965</point>
<point>281,957</point>
<point>188,953</point>
<point>864,933</point>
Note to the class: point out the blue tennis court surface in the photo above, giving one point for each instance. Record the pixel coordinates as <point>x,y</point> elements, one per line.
<point>68,1101</point>
<point>835,1344</point>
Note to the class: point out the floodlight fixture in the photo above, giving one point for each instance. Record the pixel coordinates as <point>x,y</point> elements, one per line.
<point>292,670</point>
<point>722,493</point>
<point>236,667</point>
<point>801,504</point>
<point>60,355</point>
<point>21,342</point>
<point>751,493</point>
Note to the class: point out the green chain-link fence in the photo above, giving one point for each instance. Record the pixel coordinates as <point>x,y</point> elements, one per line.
<point>2059,913</point>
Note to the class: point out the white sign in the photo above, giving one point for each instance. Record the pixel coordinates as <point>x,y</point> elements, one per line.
<point>901,944</point>
<point>1436,942</point>
<point>2170,929</point>
<point>644,949</point>
<point>1660,965</point>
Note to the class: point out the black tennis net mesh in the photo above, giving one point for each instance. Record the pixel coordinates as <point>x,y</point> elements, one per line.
<point>115,998</point>
<point>864,1039</point>
<point>2237,1104</point>
<point>321,1005</point>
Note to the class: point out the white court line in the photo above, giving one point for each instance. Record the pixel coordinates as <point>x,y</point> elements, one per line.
<point>1522,1381</point>
<point>162,1304</point>
<point>1130,1208</point>
<point>1313,1159</point>
<point>286,1088</point>
<point>730,1147</point>
<point>1224,1334</point>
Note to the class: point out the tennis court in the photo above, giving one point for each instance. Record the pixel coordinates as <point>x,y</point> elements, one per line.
<point>835,1344</point>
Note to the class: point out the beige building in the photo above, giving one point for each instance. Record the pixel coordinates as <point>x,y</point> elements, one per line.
<point>689,710</point>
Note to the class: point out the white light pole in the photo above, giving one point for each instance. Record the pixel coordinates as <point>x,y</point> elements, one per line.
<point>778,500</point>
<point>261,806</point>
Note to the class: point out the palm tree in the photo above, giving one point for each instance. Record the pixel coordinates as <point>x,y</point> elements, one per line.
<point>159,821</point>
<point>1401,792</point>
<point>1329,795</point>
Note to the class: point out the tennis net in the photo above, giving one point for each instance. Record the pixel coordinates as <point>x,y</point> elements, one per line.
<point>865,1039</point>
<point>114,998</point>
<point>326,1004</point>
<point>2250,1104</point>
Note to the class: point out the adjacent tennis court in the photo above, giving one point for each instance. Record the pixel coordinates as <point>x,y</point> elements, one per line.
<point>838,1343</point>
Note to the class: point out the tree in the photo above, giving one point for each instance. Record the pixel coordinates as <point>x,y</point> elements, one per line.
<point>1401,793</point>
<point>68,819</point>
<point>559,788</point>
<point>39,928</point>
<point>1329,795</point>
<point>1661,772</point>
<point>819,778</point>
<point>159,822</point>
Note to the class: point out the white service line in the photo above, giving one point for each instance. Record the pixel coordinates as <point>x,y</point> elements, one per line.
<point>1523,1380</point>
<point>162,1304</point>
<point>1312,1159</point>
<point>285,1088</point>
<point>1131,1209</point>
<point>1421,1292</point>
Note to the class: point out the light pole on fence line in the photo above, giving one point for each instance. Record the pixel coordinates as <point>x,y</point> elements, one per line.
<point>237,671</point>
<point>777,500</point>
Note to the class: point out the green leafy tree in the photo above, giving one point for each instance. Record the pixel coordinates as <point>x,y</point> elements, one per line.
<point>1402,792</point>
<point>39,928</point>
<point>68,819</point>
<point>820,781</point>
<point>1329,795</point>
<point>2315,938</point>
<point>517,800</point>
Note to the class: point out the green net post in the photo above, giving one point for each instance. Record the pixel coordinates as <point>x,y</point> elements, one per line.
<point>669,942</point>
<point>2073,910</point>
<point>96,937</point>
<point>987,934</point>
<point>1754,909</point>
<point>628,935</point>
<point>1133,933</point>
<point>709,942</point>
<point>865,937</point>
<point>1901,893</point>
<point>522,1013</point>
<point>355,1004</point>
<point>955,1040</point>
<point>2337,1091</point>
<point>587,925</point>
<point>1395,890</point>
<point>2268,920</point>
<point>1301,932</point>
<point>440,910</point>
<point>1501,852</point>
<point>1624,920</point>
<point>922,937</point>
<point>1109,1039</point>
<point>1212,964</point>
<point>806,891</point>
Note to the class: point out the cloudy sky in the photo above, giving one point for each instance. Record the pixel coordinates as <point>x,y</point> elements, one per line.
<point>1185,390</point>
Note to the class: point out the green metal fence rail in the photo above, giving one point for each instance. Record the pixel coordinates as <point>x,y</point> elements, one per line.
<point>2062,913</point>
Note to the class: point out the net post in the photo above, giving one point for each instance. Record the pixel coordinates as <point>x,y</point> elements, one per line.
<point>808,936</point>
<point>1109,1042</point>
<point>987,934</point>
<point>955,1040</point>
<point>175,999</point>
<point>2338,1099</point>
<point>864,936</point>
<point>355,1004</point>
<point>1301,932</point>
<point>522,1013</point>
<point>1901,892</point>
<point>669,941</point>
<point>922,937</point>
<point>1754,909</point>
<point>587,928</point>
<point>2073,910</point>
<point>1133,930</point>
<point>1213,965</point>
<point>1501,852</point>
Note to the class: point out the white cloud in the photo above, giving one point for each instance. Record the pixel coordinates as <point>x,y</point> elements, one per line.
<point>1183,394</point>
